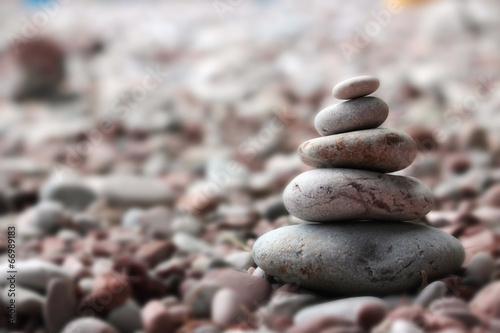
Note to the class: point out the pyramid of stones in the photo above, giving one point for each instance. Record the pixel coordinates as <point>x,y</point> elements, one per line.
<point>362,241</point>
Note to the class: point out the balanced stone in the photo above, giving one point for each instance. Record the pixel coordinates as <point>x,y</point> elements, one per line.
<point>353,115</point>
<point>356,87</point>
<point>358,258</point>
<point>379,149</point>
<point>327,195</point>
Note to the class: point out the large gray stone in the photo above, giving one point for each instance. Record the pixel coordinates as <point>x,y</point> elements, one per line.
<point>327,195</point>
<point>353,115</point>
<point>358,258</point>
<point>379,149</point>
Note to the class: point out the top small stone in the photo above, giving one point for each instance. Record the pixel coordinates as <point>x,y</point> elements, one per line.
<point>356,87</point>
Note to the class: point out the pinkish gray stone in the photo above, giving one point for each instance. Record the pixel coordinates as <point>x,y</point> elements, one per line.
<point>328,195</point>
<point>379,149</point>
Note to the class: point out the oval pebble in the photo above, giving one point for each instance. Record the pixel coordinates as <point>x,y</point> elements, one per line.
<point>358,258</point>
<point>353,115</point>
<point>126,318</point>
<point>34,274</point>
<point>226,307</point>
<point>486,303</point>
<point>325,195</point>
<point>432,292</point>
<point>380,149</point>
<point>60,306</point>
<point>348,308</point>
<point>28,303</point>
<point>356,87</point>
<point>88,325</point>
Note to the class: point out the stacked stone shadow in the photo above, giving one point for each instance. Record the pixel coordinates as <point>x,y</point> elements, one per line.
<point>361,242</point>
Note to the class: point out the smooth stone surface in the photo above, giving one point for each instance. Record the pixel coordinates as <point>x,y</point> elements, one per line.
<point>327,195</point>
<point>356,87</point>
<point>432,292</point>
<point>88,325</point>
<point>346,308</point>
<point>28,302</point>
<point>129,191</point>
<point>126,318</point>
<point>353,115</point>
<point>156,318</point>
<point>356,258</point>
<point>380,149</point>
<point>486,303</point>
<point>72,194</point>
<point>284,305</point>
<point>226,307</point>
<point>34,274</point>
<point>251,290</point>
<point>242,260</point>
<point>60,307</point>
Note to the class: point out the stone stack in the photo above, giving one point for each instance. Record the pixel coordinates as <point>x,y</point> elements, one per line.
<point>362,242</point>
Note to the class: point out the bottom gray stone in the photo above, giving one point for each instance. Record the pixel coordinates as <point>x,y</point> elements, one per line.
<point>358,258</point>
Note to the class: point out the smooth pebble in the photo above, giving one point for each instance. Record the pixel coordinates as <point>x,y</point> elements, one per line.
<point>353,115</point>
<point>356,87</point>
<point>380,149</point>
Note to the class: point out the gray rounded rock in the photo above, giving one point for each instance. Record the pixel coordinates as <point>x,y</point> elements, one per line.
<point>353,115</point>
<point>327,195</point>
<point>379,149</point>
<point>432,292</point>
<point>358,258</point>
<point>356,87</point>
<point>72,194</point>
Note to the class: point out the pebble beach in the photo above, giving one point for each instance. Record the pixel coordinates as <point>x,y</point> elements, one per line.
<point>250,166</point>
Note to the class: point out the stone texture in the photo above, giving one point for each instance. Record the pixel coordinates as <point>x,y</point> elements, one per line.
<point>356,87</point>
<point>486,303</point>
<point>353,115</point>
<point>126,318</point>
<point>327,195</point>
<point>28,303</point>
<point>379,149</point>
<point>252,291</point>
<point>132,190</point>
<point>60,307</point>
<point>34,274</point>
<point>88,325</point>
<point>369,310</point>
<point>71,194</point>
<point>226,307</point>
<point>358,257</point>
<point>432,292</point>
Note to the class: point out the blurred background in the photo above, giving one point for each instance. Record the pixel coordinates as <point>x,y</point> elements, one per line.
<point>157,136</point>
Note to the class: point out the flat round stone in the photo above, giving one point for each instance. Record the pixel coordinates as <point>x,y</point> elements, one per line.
<point>358,258</point>
<point>353,115</point>
<point>356,87</point>
<point>379,149</point>
<point>328,195</point>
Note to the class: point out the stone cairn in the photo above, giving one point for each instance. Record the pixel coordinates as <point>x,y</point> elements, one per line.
<point>362,242</point>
